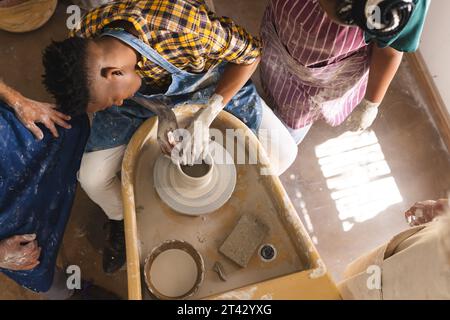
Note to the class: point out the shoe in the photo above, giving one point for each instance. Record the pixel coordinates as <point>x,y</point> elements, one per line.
<point>114,255</point>
<point>90,291</point>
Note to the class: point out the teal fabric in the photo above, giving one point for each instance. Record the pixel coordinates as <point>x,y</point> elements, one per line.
<point>408,39</point>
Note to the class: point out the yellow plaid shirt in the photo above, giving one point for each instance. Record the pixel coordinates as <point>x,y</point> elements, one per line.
<point>184,32</point>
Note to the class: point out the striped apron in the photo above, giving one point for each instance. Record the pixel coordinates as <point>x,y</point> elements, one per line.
<point>312,67</point>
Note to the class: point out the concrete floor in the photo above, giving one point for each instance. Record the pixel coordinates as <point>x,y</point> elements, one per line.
<point>350,199</point>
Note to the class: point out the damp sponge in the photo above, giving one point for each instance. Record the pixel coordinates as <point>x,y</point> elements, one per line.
<point>245,238</point>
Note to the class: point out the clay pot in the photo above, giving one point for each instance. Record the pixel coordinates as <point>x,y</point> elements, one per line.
<point>174,244</point>
<point>187,192</point>
<point>195,176</point>
<point>23,16</point>
<point>11,3</point>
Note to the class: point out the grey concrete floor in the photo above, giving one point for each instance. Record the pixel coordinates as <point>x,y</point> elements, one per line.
<point>349,199</point>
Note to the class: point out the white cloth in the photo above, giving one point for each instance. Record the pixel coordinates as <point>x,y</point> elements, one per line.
<point>280,146</point>
<point>99,170</point>
<point>299,134</point>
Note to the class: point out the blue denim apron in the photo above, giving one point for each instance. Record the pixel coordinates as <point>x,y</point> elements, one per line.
<point>116,125</point>
<point>37,188</point>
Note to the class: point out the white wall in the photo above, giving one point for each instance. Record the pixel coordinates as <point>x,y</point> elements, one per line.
<point>435,46</point>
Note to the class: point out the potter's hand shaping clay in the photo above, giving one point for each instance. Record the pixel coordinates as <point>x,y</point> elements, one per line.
<point>167,122</point>
<point>195,146</point>
<point>363,116</point>
<point>19,252</point>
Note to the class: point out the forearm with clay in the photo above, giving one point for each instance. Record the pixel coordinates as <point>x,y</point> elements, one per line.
<point>30,112</point>
<point>158,108</point>
<point>233,79</point>
<point>167,122</point>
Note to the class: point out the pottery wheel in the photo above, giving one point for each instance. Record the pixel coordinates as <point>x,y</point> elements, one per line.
<point>200,200</point>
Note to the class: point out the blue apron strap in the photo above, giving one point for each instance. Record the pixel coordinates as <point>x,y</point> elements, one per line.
<point>141,47</point>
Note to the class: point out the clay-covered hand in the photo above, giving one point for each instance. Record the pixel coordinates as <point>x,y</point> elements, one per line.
<point>363,116</point>
<point>167,124</point>
<point>425,211</point>
<point>167,121</point>
<point>31,112</point>
<point>19,252</point>
<point>195,142</point>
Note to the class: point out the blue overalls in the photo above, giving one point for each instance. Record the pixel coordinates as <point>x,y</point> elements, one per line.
<point>37,188</point>
<point>115,126</point>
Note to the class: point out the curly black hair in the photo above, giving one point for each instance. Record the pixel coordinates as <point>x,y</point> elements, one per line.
<point>65,74</point>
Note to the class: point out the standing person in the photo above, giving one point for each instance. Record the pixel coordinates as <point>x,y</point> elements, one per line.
<point>332,59</point>
<point>174,51</point>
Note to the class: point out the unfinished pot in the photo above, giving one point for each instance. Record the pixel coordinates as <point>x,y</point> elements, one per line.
<point>194,178</point>
<point>198,189</point>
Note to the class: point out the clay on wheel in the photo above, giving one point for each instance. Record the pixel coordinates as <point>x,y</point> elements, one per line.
<point>196,191</point>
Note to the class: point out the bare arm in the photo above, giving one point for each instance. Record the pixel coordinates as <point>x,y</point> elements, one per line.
<point>156,107</point>
<point>8,95</point>
<point>30,112</point>
<point>383,67</point>
<point>234,78</point>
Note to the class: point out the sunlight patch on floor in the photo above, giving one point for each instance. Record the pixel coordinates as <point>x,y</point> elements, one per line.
<point>358,177</point>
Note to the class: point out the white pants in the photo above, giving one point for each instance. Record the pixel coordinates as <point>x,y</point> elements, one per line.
<point>99,170</point>
<point>299,134</point>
